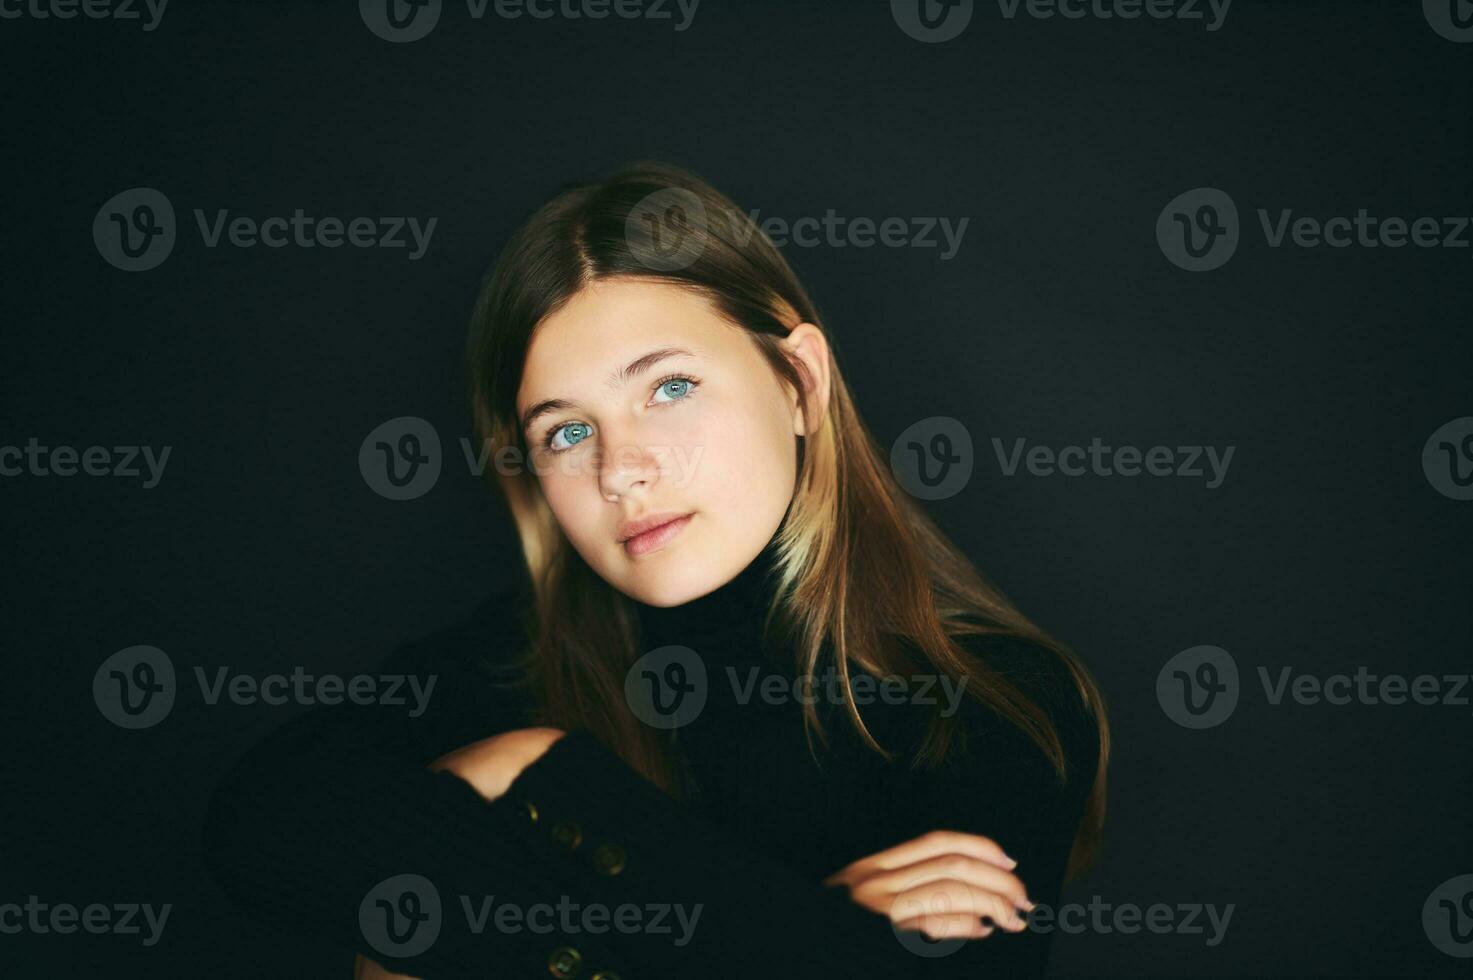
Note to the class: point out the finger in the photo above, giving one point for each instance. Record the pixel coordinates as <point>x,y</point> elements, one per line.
<point>949,896</point>
<point>932,844</point>
<point>955,925</point>
<point>939,842</point>
<point>958,866</point>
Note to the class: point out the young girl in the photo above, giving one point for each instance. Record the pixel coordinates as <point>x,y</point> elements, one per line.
<point>750,712</point>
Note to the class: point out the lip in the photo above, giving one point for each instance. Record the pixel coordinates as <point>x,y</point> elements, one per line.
<point>649,533</point>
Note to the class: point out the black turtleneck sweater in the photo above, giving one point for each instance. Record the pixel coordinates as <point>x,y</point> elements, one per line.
<point>306,829</point>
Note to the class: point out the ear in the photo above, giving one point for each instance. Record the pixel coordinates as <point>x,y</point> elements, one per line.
<point>807,343</point>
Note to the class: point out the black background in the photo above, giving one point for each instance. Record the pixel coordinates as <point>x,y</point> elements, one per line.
<point>1059,320</point>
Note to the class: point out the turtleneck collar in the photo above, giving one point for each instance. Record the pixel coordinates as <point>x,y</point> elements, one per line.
<point>725,625</point>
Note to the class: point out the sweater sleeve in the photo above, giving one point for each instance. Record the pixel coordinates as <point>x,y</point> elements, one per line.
<point>754,916</point>
<point>333,825</point>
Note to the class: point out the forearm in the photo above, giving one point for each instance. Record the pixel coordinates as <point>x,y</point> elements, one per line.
<point>753,916</point>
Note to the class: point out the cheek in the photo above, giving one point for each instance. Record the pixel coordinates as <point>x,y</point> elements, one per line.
<point>746,462</point>
<point>567,496</point>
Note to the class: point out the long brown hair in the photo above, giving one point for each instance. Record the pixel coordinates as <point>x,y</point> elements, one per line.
<point>862,570</point>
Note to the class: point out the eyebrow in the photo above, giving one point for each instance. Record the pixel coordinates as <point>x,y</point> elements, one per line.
<point>639,365</point>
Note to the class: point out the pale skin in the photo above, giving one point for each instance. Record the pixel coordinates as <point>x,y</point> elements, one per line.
<point>708,432</point>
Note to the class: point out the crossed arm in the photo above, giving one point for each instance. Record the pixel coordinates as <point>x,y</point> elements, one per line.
<point>968,875</point>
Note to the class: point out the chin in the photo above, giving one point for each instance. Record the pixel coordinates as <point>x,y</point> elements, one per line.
<point>663,588</point>
<point>659,583</point>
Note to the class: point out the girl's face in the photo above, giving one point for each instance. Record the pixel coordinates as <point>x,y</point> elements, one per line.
<point>640,405</point>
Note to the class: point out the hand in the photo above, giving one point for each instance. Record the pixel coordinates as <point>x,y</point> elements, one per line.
<point>941,884</point>
<point>491,764</point>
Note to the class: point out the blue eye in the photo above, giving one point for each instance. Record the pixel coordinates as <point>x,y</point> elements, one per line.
<point>582,430</point>
<point>676,388</point>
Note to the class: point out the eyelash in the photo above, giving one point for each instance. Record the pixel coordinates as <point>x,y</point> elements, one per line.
<point>694,384</point>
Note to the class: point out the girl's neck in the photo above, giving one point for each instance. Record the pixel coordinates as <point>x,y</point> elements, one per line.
<point>729,618</point>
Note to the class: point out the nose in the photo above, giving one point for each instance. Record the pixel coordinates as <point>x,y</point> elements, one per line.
<point>626,468</point>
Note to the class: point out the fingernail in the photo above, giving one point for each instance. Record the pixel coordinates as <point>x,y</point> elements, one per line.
<point>1012,861</point>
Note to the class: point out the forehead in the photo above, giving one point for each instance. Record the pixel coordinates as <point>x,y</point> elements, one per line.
<point>609,323</point>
